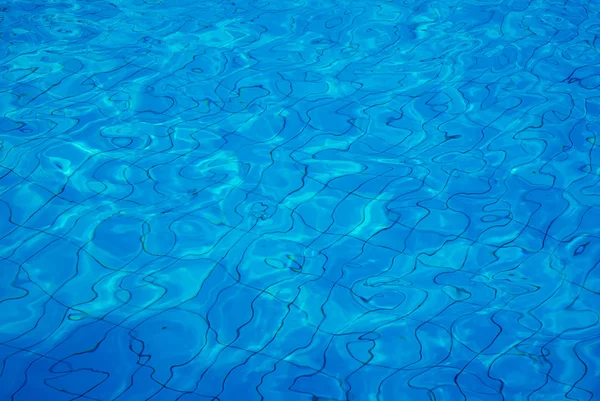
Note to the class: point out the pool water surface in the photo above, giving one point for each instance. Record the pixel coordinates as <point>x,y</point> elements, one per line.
<point>299,200</point>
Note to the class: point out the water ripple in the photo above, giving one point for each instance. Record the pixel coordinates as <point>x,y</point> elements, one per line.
<point>299,200</point>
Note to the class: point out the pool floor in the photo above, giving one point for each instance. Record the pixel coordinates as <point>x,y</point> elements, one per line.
<point>300,200</point>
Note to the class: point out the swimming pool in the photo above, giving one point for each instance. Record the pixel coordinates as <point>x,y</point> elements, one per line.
<point>299,200</point>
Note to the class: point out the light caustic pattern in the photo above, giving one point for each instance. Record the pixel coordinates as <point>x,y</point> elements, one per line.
<point>299,200</point>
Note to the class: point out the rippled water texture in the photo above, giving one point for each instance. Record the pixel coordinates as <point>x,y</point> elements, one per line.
<point>300,200</point>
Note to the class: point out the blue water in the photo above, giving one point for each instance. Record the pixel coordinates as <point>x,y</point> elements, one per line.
<point>370,200</point>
